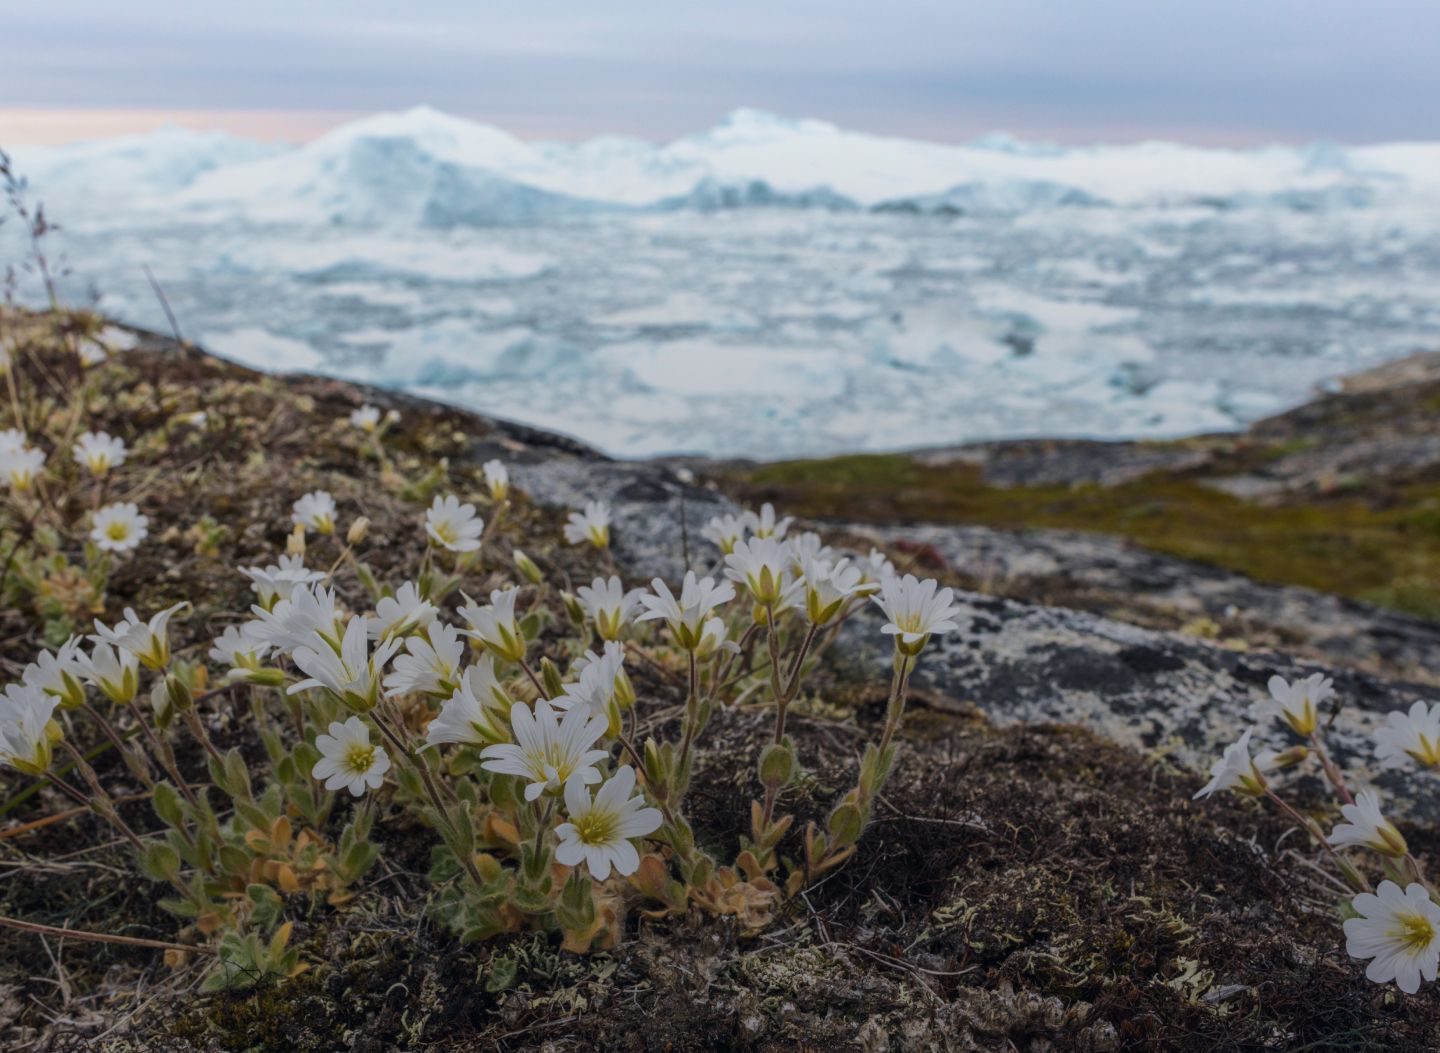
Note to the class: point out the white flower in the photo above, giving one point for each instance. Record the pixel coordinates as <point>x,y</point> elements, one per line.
<point>21,466</point>
<point>497,478</point>
<point>237,647</point>
<point>296,620</point>
<point>1400,931</point>
<point>765,524</point>
<point>454,526</point>
<point>433,665</point>
<point>147,641</point>
<point>402,613</point>
<point>278,581</point>
<point>548,751</point>
<point>599,675</point>
<point>686,616</point>
<point>607,602</point>
<point>592,525</point>
<point>1410,736</point>
<point>26,731</point>
<point>119,527</point>
<point>599,831</point>
<point>496,626</point>
<point>713,636</point>
<point>13,440</point>
<point>99,452</point>
<point>1236,771</point>
<point>352,674</point>
<point>315,511</point>
<point>59,674</point>
<point>366,418</point>
<point>724,531</point>
<point>916,610</point>
<point>1368,827</point>
<point>348,759</point>
<point>477,713</point>
<point>762,566</point>
<point>114,670</point>
<point>876,568</point>
<point>808,546</point>
<point>827,588</point>
<point>1295,703</point>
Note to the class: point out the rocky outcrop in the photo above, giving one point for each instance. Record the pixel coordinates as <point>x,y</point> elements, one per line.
<point>1174,694</point>
<point>1110,576</point>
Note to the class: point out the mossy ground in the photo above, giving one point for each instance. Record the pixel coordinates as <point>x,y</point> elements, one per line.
<point>1020,888</point>
<point>1377,541</point>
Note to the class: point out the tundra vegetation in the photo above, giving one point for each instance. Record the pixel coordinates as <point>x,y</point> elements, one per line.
<point>319,733</point>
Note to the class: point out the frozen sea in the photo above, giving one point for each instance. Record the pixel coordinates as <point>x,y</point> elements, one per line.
<point>769,288</point>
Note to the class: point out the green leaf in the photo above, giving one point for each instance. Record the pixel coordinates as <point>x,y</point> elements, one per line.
<point>166,800</point>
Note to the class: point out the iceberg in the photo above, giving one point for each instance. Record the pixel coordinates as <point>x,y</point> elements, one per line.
<point>771,286</point>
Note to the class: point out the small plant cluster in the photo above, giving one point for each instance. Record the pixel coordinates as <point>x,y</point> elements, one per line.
<point>1396,925</point>
<point>508,724</point>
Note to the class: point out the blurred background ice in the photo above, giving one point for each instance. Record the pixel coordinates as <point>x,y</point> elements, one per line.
<point>769,287</point>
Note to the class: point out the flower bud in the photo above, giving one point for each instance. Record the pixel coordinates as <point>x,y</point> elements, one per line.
<point>1291,757</point>
<point>179,693</point>
<point>550,677</point>
<point>357,531</point>
<point>527,567</point>
<point>261,677</point>
<point>624,690</point>
<point>295,543</point>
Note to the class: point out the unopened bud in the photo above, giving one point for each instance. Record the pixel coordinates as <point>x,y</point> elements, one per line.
<point>1291,757</point>
<point>550,677</point>
<point>295,543</point>
<point>262,677</point>
<point>624,690</point>
<point>179,693</point>
<point>573,608</point>
<point>357,531</point>
<point>527,567</point>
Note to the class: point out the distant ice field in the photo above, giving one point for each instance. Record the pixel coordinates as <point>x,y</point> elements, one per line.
<point>769,288</point>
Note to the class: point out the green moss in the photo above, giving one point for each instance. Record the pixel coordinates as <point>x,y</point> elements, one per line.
<point>1380,544</point>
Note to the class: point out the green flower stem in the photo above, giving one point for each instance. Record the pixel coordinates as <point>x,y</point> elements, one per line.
<point>1314,831</point>
<point>134,761</point>
<point>1332,772</point>
<point>402,750</point>
<point>895,709</point>
<point>540,687</point>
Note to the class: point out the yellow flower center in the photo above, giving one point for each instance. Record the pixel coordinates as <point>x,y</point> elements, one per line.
<point>909,623</point>
<point>1427,751</point>
<point>445,531</point>
<point>597,827</point>
<point>117,531</point>
<point>359,757</point>
<point>1414,932</point>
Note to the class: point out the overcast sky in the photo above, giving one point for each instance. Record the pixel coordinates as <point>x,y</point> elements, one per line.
<point>1233,71</point>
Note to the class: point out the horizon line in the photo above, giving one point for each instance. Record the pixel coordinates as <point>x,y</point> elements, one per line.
<point>48,126</point>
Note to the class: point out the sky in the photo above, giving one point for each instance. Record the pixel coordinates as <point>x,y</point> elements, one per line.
<point>1235,72</point>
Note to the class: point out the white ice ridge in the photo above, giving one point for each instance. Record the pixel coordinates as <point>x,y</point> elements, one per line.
<point>425,167</point>
<point>770,287</point>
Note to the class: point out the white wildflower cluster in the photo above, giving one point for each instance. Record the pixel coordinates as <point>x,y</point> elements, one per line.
<point>115,528</point>
<point>468,689</point>
<point>1395,925</point>
<point>20,463</point>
